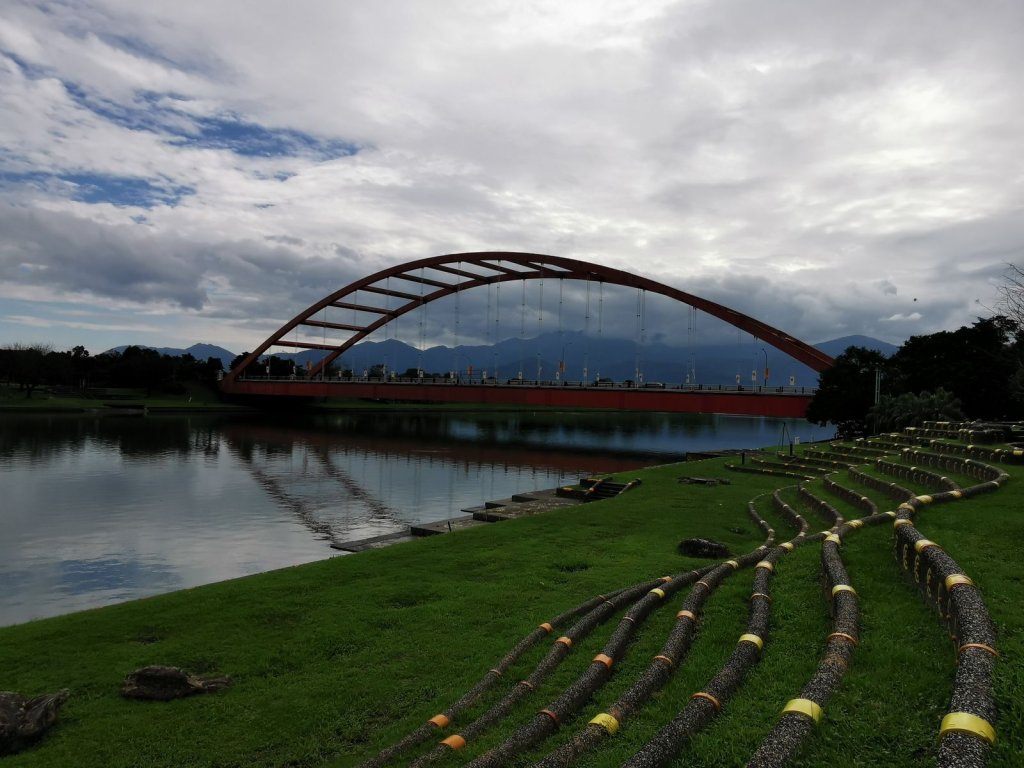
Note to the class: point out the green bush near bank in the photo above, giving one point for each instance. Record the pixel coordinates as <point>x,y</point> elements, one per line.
<point>332,661</point>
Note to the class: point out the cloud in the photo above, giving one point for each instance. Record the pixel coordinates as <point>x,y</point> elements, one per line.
<point>798,163</point>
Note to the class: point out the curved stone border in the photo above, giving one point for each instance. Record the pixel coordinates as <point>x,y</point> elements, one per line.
<point>801,714</point>
<point>664,664</point>
<point>577,694</point>
<point>967,731</point>
<point>429,729</point>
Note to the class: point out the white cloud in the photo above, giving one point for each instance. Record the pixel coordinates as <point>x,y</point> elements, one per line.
<point>797,162</point>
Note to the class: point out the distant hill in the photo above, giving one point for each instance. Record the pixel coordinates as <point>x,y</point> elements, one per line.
<point>198,351</point>
<point>611,358</point>
<point>572,351</point>
<point>838,346</point>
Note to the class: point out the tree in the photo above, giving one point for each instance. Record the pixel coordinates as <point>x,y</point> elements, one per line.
<point>1010,303</point>
<point>846,391</point>
<point>26,366</point>
<point>895,413</point>
<point>976,363</point>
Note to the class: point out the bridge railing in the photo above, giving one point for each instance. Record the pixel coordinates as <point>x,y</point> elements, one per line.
<point>467,380</point>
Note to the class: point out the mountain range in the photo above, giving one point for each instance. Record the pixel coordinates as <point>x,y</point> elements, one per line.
<point>541,356</point>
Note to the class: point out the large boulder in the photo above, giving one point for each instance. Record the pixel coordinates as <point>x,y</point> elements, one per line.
<point>23,721</point>
<point>160,683</point>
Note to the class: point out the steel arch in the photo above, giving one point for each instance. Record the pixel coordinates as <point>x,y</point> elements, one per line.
<point>482,268</point>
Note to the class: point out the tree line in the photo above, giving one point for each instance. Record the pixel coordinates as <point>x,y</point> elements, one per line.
<point>974,372</point>
<point>31,367</point>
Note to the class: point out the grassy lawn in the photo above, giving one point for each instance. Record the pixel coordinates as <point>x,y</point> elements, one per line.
<point>334,660</point>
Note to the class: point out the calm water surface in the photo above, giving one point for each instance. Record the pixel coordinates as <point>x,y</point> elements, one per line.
<point>100,509</point>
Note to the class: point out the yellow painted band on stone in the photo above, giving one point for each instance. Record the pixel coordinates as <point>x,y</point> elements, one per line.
<point>834,539</point>
<point>843,588</point>
<point>684,614</point>
<point>749,638</point>
<point>890,513</point>
<point>955,579</point>
<point>907,507</point>
<point>787,545</point>
<point>924,499</point>
<point>903,521</point>
<point>855,523</point>
<point>765,564</point>
<point>659,592</point>
<point>733,563</point>
<point>922,544</point>
<point>804,707</point>
<point>606,721</point>
<point>965,722</point>
<point>956,494</point>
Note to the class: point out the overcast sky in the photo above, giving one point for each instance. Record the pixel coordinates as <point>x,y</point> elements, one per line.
<point>181,172</point>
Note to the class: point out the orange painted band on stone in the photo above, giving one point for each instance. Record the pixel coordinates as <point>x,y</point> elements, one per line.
<point>708,697</point>
<point>606,660</point>
<point>666,659</point>
<point>441,721</point>
<point>566,641</point>
<point>552,715</point>
<point>844,636</point>
<point>980,646</point>
<point>454,742</point>
<point>546,627</point>
<point>666,579</point>
<point>687,615</point>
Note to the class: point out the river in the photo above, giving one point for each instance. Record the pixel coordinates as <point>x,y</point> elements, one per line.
<point>100,509</point>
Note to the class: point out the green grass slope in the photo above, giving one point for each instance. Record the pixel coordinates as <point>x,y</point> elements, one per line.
<point>333,661</point>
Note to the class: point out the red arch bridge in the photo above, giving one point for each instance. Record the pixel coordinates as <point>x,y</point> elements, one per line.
<point>375,301</point>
